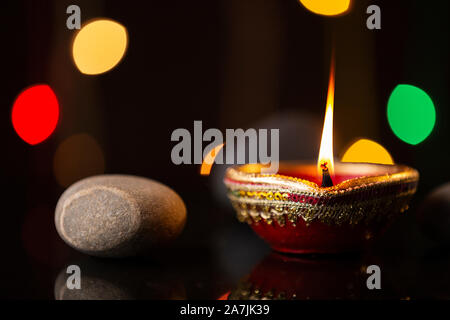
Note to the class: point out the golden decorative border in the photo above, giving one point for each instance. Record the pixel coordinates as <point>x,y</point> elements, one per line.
<point>265,197</point>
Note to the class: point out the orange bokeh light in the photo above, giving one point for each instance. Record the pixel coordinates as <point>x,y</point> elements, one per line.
<point>327,7</point>
<point>208,161</point>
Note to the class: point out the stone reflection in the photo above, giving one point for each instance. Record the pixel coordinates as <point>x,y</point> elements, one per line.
<point>103,279</point>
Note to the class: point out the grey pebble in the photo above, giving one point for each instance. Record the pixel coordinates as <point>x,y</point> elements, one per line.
<point>119,215</point>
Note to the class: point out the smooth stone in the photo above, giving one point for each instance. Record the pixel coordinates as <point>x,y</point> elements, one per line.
<point>434,215</point>
<point>119,215</point>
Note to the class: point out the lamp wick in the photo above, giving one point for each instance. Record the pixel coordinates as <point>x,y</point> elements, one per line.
<point>326,179</point>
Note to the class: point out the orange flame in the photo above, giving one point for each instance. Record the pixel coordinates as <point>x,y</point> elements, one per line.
<point>208,161</point>
<point>326,144</point>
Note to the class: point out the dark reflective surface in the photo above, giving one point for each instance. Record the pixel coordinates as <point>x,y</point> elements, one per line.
<point>232,262</point>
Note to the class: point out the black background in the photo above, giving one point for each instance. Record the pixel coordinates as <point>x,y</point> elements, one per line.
<point>231,64</point>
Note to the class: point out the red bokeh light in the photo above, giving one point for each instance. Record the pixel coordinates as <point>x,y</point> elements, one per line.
<point>35,114</point>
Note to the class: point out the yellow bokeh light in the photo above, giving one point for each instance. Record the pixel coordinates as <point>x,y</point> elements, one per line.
<point>365,150</point>
<point>99,46</point>
<point>327,7</point>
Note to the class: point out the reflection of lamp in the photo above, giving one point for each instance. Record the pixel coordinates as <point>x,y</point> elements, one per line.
<point>299,209</point>
<point>286,277</point>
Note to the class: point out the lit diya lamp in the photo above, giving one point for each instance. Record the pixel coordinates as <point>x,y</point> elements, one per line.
<point>323,207</point>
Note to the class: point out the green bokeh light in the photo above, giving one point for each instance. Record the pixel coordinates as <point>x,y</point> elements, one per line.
<point>411,113</point>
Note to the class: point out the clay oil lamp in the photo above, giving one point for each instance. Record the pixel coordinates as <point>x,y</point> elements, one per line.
<point>324,207</point>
